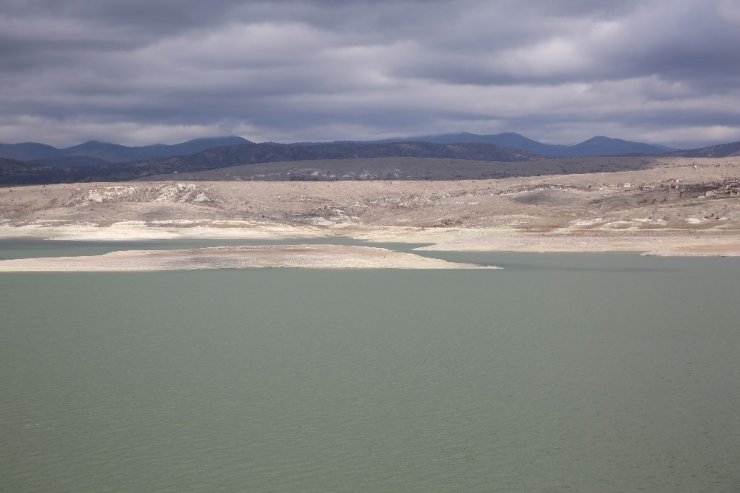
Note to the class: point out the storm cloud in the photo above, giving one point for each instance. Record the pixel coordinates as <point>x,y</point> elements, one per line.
<point>143,71</point>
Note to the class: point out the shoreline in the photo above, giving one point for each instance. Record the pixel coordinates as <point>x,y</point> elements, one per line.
<point>677,207</point>
<point>324,256</point>
<point>657,242</point>
<point>141,231</point>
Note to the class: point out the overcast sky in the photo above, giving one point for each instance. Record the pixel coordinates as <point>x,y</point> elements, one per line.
<point>560,71</point>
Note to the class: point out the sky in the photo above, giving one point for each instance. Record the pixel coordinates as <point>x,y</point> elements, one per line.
<point>163,71</point>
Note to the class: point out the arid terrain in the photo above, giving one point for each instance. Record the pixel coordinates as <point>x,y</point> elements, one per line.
<point>675,206</point>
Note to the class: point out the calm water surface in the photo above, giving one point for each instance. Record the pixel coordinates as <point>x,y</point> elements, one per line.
<point>561,373</point>
<point>29,248</point>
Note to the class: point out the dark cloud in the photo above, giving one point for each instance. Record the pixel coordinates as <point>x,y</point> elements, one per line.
<point>143,71</point>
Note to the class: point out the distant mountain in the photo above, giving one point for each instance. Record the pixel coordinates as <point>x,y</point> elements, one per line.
<point>112,153</point>
<point>194,146</point>
<point>509,139</point>
<point>605,146</point>
<point>596,146</point>
<point>116,153</point>
<point>273,152</point>
<point>721,150</point>
<point>106,151</point>
<point>249,154</point>
<point>27,151</point>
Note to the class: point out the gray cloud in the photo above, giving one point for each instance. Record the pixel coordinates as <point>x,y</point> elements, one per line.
<point>145,71</point>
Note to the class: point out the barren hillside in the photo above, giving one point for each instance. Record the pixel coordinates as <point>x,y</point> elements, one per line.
<point>678,196</point>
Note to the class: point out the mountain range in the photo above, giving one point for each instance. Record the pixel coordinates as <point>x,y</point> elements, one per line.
<point>270,152</point>
<point>721,150</point>
<point>98,152</point>
<point>94,152</point>
<point>595,146</point>
<point>44,171</point>
<point>97,161</point>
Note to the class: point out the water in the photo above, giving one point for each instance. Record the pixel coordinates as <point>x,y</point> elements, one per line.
<point>560,373</point>
<point>31,248</point>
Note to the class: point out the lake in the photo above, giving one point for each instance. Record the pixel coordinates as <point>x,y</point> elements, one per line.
<point>562,372</point>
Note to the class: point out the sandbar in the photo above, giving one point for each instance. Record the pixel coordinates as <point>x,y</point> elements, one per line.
<point>236,257</point>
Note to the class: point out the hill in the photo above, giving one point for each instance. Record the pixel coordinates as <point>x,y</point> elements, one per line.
<point>721,150</point>
<point>249,154</point>
<point>27,151</point>
<point>408,168</point>
<point>606,146</point>
<point>595,146</point>
<point>271,152</point>
<point>112,153</point>
<point>14,172</point>
<point>566,212</point>
<point>69,162</point>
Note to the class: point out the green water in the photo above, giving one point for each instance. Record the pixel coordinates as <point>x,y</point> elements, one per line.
<point>583,373</point>
<point>29,248</point>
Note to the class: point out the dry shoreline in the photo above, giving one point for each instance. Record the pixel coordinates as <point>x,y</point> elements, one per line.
<point>240,257</point>
<point>676,206</point>
<point>658,242</point>
<point>666,244</point>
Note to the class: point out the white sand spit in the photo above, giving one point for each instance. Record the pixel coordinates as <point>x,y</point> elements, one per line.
<point>239,257</point>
